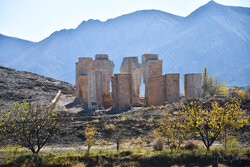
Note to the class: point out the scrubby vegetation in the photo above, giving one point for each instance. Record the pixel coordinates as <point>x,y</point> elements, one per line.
<point>181,134</point>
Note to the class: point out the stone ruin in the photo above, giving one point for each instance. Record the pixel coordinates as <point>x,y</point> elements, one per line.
<point>93,79</point>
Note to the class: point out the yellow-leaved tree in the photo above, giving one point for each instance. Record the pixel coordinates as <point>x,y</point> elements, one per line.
<point>90,133</point>
<point>172,127</point>
<point>208,123</point>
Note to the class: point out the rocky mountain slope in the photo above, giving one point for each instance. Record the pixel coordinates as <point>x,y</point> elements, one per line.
<point>25,86</point>
<point>214,35</point>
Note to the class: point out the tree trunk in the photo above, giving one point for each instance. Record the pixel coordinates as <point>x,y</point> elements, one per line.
<point>117,146</point>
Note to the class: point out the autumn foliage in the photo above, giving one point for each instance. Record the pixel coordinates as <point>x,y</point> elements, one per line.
<point>90,133</point>
<point>206,123</point>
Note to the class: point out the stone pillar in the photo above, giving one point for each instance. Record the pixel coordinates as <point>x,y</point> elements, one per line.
<point>121,91</point>
<point>83,88</point>
<point>98,79</point>
<point>106,67</point>
<point>92,99</point>
<point>152,67</point>
<point>93,80</point>
<point>84,65</point>
<point>156,91</point>
<point>172,84</point>
<point>131,65</point>
<point>192,85</point>
<point>145,58</point>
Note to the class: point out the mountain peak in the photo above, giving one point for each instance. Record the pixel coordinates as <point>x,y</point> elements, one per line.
<point>212,3</point>
<point>90,22</point>
<point>209,9</point>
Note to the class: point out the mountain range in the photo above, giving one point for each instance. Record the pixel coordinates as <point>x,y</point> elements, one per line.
<point>214,35</point>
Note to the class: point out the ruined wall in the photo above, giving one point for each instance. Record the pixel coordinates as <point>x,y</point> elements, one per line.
<point>192,85</point>
<point>131,65</point>
<point>121,91</point>
<point>156,91</point>
<point>172,87</point>
<point>93,82</point>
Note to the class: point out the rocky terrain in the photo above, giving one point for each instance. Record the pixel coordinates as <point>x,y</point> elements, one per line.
<point>25,86</point>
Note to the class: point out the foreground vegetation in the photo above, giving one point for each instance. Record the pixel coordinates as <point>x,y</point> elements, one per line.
<point>135,157</point>
<point>166,141</point>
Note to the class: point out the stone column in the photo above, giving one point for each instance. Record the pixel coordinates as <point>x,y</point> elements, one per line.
<point>92,99</point>
<point>131,65</point>
<point>152,67</point>
<point>192,85</point>
<point>98,79</point>
<point>145,58</point>
<point>121,91</point>
<point>106,67</point>
<point>83,88</point>
<point>172,84</point>
<point>83,66</point>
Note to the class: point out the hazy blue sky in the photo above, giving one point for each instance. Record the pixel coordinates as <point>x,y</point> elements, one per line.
<point>36,19</point>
